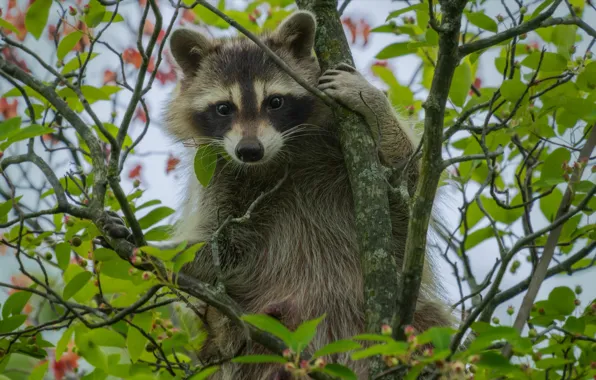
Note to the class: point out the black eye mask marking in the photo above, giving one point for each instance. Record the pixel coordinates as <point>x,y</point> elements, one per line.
<point>293,111</point>
<point>216,120</point>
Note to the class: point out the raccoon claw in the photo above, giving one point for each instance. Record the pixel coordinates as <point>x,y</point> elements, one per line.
<point>345,67</point>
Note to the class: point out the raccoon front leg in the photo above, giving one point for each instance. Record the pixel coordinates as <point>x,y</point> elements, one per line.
<point>348,87</point>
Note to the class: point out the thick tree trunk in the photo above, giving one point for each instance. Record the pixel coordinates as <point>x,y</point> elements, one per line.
<point>369,185</point>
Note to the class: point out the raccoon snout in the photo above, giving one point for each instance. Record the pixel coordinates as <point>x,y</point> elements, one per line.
<point>250,150</point>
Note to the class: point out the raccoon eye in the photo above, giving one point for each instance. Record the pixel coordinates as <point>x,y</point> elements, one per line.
<point>223,109</point>
<point>276,102</point>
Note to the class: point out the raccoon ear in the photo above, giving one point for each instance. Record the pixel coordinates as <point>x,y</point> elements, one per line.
<point>297,32</point>
<point>188,48</point>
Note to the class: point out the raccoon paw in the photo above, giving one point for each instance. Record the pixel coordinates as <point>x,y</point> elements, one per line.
<point>348,87</point>
<point>116,227</point>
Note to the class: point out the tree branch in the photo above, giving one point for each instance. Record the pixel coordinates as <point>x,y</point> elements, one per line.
<point>79,125</point>
<point>431,166</point>
<point>373,220</point>
<point>557,269</point>
<point>472,157</point>
<point>552,240</point>
<point>533,24</point>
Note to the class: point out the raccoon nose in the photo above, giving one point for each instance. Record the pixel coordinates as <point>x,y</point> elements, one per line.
<point>250,150</point>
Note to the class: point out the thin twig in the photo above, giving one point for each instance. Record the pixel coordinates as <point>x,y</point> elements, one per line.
<point>552,239</point>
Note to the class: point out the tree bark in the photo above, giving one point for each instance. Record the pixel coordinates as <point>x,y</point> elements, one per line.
<point>367,179</point>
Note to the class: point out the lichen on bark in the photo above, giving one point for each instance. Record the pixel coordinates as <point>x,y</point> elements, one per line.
<point>367,179</point>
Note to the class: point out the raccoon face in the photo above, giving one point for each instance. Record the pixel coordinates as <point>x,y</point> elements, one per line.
<point>234,94</point>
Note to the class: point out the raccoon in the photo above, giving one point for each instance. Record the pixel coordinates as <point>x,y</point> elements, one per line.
<point>297,256</point>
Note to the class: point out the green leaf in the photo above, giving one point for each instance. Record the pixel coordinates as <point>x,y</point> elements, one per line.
<point>12,323</point>
<point>8,127</point>
<point>501,214</point>
<point>575,325</point>
<point>89,350</point>
<point>373,337</point>
<point>381,349</point>
<point>414,372</point>
<point>462,81</point>
<point>260,359</point>
<point>586,80</point>
<point>116,269</point>
<point>111,128</point>
<point>7,25</point>
<point>135,340</point>
<point>401,11</point>
<point>432,37</point>
<point>205,373</point>
<point>39,371</point>
<point>5,208</point>
<point>485,338</point>
<point>205,162</point>
<point>397,49</point>
<point>105,254</point>
<point>552,62</point>
<point>25,133</point>
<point>148,204</point>
<point>93,94</point>
<point>159,233</point>
<point>106,338</point>
<point>37,17</point>
<point>478,237</point>
<point>493,360</point>
<point>481,20</point>
<point>76,284</point>
<point>155,216</point>
<point>439,336</point>
<point>542,6</point>
<point>177,340</point>
<point>339,346</point>
<point>95,14</point>
<point>110,90</point>
<point>63,254</point>
<point>271,325</point>
<point>15,92</point>
<point>68,43</point>
<point>108,16</point>
<point>513,89</point>
<point>63,341</point>
<point>552,169</point>
<point>76,62</point>
<point>550,204</point>
<point>563,36</point>
<point>306,332</point>
<point>582,264</point>
<point>340,371</point>
<point>562,299</point>
<point>552,363</point>
<point>15,303</point>
<point>187,256</point>
<point>160,253</point>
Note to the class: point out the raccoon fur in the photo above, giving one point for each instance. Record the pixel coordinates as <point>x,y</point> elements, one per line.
<point>297,256</point>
